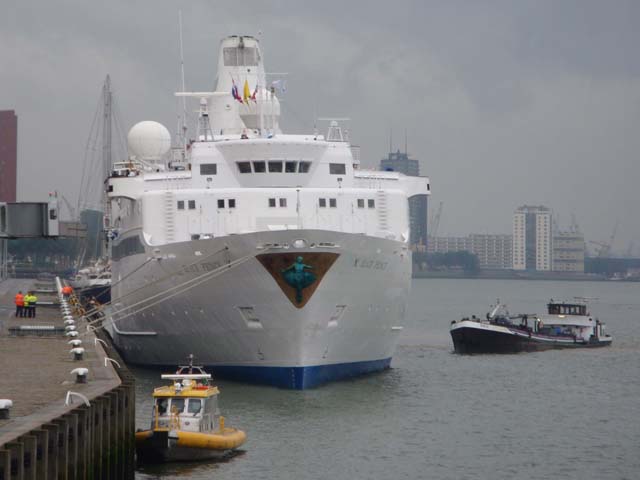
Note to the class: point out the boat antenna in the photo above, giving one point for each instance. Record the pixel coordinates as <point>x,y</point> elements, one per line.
<point>190,357</point>
<point>184,100</point>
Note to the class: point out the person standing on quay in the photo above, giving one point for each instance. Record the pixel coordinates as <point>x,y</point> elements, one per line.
<point>30,305</point>
<point>19,304</point>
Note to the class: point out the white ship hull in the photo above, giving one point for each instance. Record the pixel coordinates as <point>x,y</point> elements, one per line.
<point>239,321</point>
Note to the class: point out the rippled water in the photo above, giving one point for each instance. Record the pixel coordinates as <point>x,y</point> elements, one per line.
<point>543,415</point>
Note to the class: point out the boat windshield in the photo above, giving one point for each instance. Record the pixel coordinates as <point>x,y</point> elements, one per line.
<point>195,406</point>
<point>567,309</point>
<point>177,405</point>
<point>162,404</point>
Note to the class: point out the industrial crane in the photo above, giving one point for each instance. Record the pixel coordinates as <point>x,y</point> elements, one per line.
<point>605,247</point>
<point>435,222</point>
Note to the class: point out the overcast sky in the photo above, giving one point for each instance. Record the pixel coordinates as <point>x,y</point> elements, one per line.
<point>505,103</point>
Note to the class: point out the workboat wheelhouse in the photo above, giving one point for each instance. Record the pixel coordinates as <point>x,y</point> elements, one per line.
<point>565,325</point>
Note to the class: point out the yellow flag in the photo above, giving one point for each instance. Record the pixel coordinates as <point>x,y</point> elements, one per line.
<point>247,93</point>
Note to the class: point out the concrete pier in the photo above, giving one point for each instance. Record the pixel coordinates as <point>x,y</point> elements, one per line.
<point>51,433</point>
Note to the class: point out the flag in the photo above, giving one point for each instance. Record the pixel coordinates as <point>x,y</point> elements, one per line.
<point>246,94</point>
<point>255,92</point>
<point>234,91</point>
<point>279,85</point>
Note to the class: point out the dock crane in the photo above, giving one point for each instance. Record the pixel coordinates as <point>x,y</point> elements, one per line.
<point>605,247</point>
<point>434,222</point>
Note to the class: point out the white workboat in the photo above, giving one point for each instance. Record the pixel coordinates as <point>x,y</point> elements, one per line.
<point>565,325</point>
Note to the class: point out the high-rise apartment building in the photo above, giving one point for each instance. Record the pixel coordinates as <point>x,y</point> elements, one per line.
<point>400,162</point>
<point>8,155</point>
<point>532,238</point>
<point>568,251</point>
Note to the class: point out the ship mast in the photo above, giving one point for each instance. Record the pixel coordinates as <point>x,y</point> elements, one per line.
<point>106,127</point>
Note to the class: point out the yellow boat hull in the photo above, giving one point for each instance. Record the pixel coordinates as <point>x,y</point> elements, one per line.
<point>162,445</point>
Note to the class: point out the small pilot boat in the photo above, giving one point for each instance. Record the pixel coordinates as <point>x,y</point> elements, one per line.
<point>565,325</point>
<point>186,424</point>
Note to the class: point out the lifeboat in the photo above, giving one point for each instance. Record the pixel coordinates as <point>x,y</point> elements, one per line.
<point>186,424</point>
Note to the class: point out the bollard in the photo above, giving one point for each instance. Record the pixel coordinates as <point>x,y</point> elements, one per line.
<point>77,353</point>
<point>71,333</point>
<point>81,374</point>
<point>5,406</point>
<point>75,342</point>
<point>70,328</point>
<point>69,321</point>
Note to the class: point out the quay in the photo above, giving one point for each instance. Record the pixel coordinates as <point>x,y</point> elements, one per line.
<point>61,425</point>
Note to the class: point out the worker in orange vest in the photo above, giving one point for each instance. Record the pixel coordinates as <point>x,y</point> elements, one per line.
<point>19,304</point>
<point>67,291</point>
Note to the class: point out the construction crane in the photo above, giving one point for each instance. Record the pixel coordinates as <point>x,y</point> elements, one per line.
<point>605,247</point>
<point>434,222</point>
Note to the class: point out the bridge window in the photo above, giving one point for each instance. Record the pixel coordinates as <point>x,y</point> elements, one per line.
<point>208,169</point>
<point>259,167</point>
<point>220,203</point>
<point>272,202</point>
<point>283,202</point>
<point>371,203</point>
<point>275,167</point>
<point>361,203</point>
<point>290,167</point>
<point>333,203</point>
<point>304,167</point>
<point>322,202</point>
<point>244,167</point>
<point>192,204</point>
<point>180,204</point>
<point>232,203</point>
<point>337,169</point>
<point>240,57</point>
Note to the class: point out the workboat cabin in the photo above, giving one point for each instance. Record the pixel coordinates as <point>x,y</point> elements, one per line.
<point>190,404</point>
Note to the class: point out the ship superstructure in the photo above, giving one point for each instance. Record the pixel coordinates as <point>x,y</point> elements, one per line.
<point>273,258</point>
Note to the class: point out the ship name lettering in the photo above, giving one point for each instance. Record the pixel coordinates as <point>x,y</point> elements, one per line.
<point>371,264</point>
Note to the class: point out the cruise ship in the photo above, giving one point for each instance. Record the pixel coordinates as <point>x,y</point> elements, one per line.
<point>272,258</point>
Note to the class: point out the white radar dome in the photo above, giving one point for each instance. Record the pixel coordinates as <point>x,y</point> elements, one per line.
<point>149,140</point>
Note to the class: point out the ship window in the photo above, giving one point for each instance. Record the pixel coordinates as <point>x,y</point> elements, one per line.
<point>371,203</point>
<point>337,169</point>
<point>232,203</point>
<point>290,167</point>
<point>162,404</point>
<point>208,169</point>
<point>221,203</point>
<point>194,406</point>
<point>304,167</point>
<point>322,202</point>
<point>192,204</point>
<point>272,202</point>
<point>180,204</point>
<point>259,167</point>
<point>275,166</point>
<point>177,405</point>
<point>240,57</point>
<point>244,167</point>
<point>283,202</point>
<point>333,203</point>
<point>361,203</point>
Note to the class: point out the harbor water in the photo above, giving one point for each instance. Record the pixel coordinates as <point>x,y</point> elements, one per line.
<point>565,414</point>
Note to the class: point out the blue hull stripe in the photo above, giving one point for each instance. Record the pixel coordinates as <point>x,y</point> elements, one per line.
<point>299,378</point>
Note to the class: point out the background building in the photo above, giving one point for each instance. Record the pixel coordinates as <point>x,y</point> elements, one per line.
<point>8,155</point>
<point>532,239</point>
<point>568,251</point>
<point>493,251</point>
<point>400,162</point>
